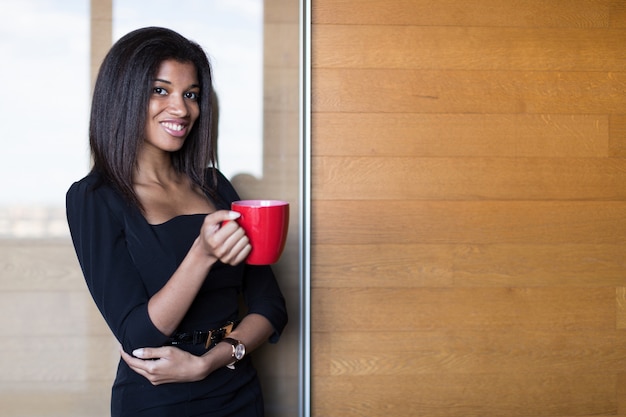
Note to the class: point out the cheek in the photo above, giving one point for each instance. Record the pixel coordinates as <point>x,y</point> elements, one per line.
<point>153,108</point>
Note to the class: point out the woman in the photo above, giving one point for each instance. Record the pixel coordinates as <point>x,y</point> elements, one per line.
<point>149,227</point>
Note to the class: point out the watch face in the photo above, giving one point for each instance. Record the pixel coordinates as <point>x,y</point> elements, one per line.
<point>240,351</point>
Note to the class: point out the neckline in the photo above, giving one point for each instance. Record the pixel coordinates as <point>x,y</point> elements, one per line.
<point>176,218</point>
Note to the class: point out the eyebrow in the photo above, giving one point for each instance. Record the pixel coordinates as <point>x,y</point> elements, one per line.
<point>170,83</point>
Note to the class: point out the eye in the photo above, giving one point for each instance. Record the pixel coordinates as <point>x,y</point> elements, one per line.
<point>192,95</point>
<point>159,90</point>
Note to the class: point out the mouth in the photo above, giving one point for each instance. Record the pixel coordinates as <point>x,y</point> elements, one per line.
<point>175,128</point>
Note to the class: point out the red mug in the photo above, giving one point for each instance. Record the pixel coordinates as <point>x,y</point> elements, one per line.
<point>266,223</point>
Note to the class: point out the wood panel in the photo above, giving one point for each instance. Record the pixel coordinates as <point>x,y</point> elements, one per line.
<point>528,13</point>
<point>54,345</point>
<point>54,268</point>
<point>455,309</point>
<point>66,359</point>
<point>617,13</point>
<point>458,91</point>
<point>479,222</point>
<point>469,48</point>
<point>467,135</point>
<point>620,307</point>
<point>618,135</point>
<point>470,351</point>
<point>55,399</point>
<point>436,395</point>
<point>396,178</point>
<point>395,265</point>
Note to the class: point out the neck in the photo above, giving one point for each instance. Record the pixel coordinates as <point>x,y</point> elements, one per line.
<point>154,167</point>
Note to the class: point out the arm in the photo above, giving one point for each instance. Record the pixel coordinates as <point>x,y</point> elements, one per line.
<point>266,319</point>
<point>170,364</point>
<point>114,277</point>
<point>114,281</point>
<point>228,244</point>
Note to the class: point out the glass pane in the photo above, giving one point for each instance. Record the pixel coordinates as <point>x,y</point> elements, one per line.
<point>44,112</point>
<point>56,346</point>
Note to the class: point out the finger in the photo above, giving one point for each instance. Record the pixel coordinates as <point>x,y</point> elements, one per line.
<point>238,253</point>
<point>243,254</point>
<point>149,353</point>
<point>221,217</point>
<point>135,364</point>
<point>214,232</point>
<point>147,368</point>
<point>233,245</point>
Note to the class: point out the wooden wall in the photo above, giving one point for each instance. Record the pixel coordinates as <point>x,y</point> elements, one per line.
<point>469,208</point>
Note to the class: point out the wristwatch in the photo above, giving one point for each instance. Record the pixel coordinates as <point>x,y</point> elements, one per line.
<point>239,350</point>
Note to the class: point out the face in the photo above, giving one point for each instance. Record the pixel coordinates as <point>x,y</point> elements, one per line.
<point>173,107</point>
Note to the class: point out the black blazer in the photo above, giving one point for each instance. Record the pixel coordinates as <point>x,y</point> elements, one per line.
<point>124,264</point>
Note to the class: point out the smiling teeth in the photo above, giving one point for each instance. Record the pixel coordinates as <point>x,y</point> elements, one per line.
<point>173,126</point>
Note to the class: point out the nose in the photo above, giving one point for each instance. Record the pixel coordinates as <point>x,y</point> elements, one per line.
<point>177,105</point>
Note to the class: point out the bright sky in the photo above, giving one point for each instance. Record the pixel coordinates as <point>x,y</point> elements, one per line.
<point>45,102</point>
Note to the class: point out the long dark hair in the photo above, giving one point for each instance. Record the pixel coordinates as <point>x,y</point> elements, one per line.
<point>120,102</point>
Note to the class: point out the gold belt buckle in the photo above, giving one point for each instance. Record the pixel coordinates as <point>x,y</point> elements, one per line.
<point>227,329</point>
<point>209,336</point>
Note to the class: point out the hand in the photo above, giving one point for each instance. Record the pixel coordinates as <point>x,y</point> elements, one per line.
<point>166,364</point>
<point>223,239</point>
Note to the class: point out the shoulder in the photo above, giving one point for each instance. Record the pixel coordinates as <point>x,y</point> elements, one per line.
<point>93,193</point>
<point>85,186</point>
<point>90,186</point>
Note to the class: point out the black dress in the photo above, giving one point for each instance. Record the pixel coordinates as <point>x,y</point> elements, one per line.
<point>125,261</point>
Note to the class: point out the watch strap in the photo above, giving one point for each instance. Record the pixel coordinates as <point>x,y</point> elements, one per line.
<point>236,345</point>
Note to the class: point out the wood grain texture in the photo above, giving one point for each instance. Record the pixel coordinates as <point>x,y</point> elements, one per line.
<point>469,214</point>
<point>55,399</point>
<point>530,13</point>
<point>621,393</point>
<point>620,307</point>
<point>617,14</point>
<point>468,48</point>
<point>466,352</point>
<point>467,135</point>
<point>61,313</point>
<point>395,178</point>
<point>392,265</point>
<point>618,135</point>
<point>280,37</point>
<point>460,309</point>
<point>39,265</point>
<point>64,359</point>
<point>458,91</point>
<point>281,90</point>
<point>437,395</point>
<point>472,222</point>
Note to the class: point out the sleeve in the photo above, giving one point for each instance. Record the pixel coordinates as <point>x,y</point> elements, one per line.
<point>263,296</point>
<point>260,288</point>
<point>113,280</point>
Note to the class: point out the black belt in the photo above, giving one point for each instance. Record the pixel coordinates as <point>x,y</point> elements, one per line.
<point>208,338</point>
